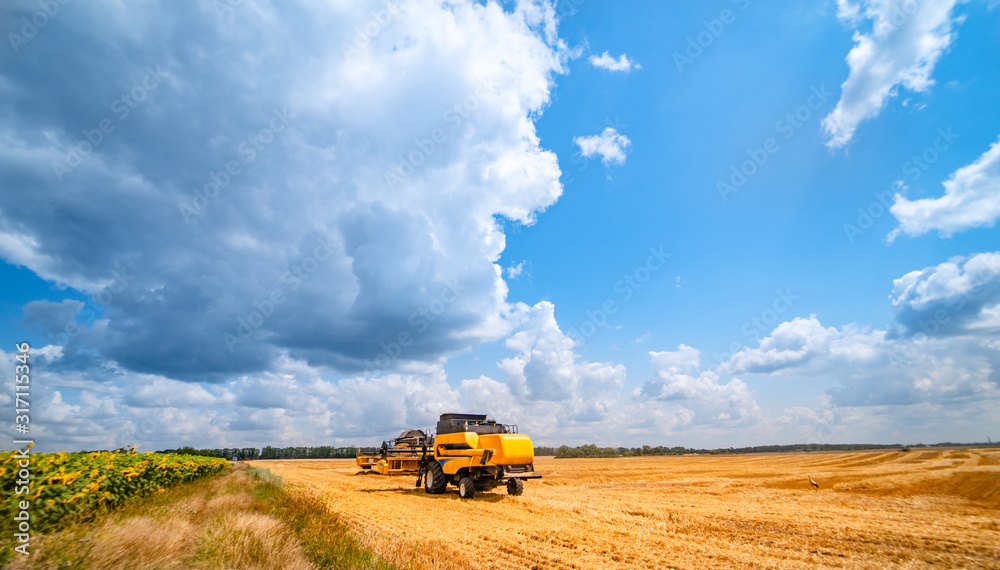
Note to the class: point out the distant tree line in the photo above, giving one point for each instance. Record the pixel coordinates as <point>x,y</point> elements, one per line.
<point>321,452</point>
<point>591,450</point>
<point>239,453</point>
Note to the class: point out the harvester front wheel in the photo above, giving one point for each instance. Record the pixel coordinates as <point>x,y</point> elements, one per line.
<point>434,480</point>
<point>466,488</point>
<point>515,486</point>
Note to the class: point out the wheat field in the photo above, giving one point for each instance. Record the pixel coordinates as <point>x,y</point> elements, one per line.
<point>872,509</point>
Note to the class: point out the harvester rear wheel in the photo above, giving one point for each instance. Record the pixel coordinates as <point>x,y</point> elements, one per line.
<point>466,488</point>
<point>515,486</point>
<point>434,479</point>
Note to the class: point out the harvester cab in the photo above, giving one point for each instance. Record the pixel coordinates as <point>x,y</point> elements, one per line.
<point>475,453</point>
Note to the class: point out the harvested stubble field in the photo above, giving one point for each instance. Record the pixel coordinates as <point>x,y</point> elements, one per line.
<point>872,509</point>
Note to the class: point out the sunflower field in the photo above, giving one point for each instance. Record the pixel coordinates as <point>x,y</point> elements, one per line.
<point>67,486</point>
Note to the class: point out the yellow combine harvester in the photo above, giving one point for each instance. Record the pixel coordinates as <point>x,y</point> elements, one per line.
<point>469,451</point>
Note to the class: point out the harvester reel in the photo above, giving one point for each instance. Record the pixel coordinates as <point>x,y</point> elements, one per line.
<point>434,479</point>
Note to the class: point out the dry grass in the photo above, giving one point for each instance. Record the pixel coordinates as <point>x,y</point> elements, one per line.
<point>143,542</point>
<point>229,521</point>
<point>245,539</point>
<point>873,509</point>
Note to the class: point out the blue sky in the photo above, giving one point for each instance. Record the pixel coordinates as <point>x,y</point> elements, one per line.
<point>706,224</point>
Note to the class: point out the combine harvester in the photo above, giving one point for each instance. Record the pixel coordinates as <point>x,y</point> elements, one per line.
<point>469,451</point>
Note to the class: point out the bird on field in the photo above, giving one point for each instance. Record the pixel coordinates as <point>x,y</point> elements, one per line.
<point>813,483</point>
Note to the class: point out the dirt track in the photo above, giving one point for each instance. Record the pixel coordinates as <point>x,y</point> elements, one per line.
<point>873,509</point>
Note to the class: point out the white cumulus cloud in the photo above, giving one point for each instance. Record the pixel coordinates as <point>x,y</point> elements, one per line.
<point>791,343</point>
<point>610,145</point>
<point>514,271</point>
<point>971,199</point>
<point>547,368</point>
<point>905,42</point>
<point>605,61</point>
<point>866,367</point>
<point>701,393</point>
<point>951,298</point>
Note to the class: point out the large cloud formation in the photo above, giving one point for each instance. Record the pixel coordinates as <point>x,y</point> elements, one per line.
<point>905,42</point>
<point>321,181</point>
